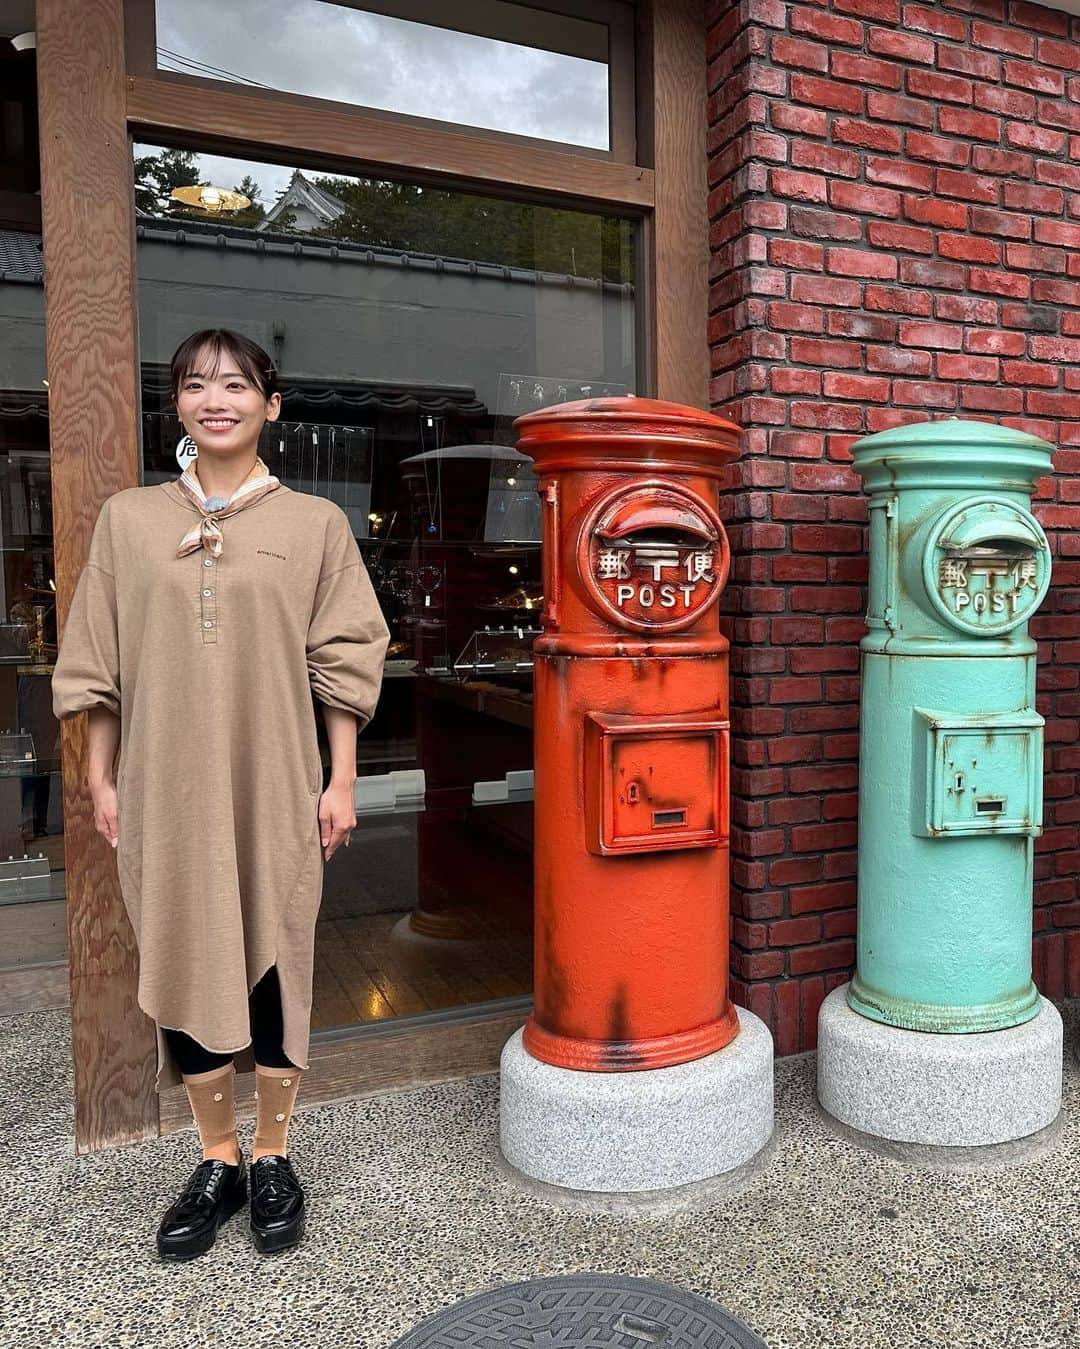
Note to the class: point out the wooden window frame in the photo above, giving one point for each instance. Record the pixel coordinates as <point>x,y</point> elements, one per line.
<point>326,133</point>
<point>466,16</point>
<point>85,63</point>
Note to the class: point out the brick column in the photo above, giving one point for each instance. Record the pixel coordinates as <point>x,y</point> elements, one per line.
<point>895,235</point>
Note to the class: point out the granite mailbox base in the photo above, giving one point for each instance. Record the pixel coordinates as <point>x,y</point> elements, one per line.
<point>628,1132</point>
<point>941,1091</point>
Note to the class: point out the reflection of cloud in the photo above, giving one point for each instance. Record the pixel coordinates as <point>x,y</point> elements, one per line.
<point>329,51</point>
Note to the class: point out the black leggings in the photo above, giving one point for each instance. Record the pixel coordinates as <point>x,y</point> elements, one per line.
<point>267,1031</point>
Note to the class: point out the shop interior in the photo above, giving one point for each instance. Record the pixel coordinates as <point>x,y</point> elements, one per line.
<point>402,370</point>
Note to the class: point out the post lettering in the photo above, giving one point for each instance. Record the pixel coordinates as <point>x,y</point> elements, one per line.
<point>633,576</point>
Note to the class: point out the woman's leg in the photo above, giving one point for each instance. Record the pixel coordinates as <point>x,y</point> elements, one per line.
<point>277,1198</point>
<point>277,1079</point>
<point>210,1081</point>
<point>217,1187</point>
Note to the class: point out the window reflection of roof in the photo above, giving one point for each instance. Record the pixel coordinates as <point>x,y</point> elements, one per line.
<point>302,191</point>
<point>161,229</point>
<point>20,257</point>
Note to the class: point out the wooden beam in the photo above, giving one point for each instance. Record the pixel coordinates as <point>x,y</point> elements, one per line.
<point>672,85</point>
<point>90,318</point>
<point>189,110</point>
<point>549,27</point>
<point>34,988</point>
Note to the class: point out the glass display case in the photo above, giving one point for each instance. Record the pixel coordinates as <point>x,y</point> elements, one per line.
<point>32,922</point>
<point>33,929</point>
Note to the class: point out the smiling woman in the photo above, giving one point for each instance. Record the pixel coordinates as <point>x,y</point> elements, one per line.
<point>454,225</point>
<point>407,327</point>
<point>224,388</point>
<point>547,78</point>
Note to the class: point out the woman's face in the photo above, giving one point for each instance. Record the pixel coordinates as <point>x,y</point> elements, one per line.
<point>223,411</point>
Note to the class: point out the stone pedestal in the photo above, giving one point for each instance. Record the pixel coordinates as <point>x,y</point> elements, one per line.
<point>939,1091</point>
<point>627,1132</point>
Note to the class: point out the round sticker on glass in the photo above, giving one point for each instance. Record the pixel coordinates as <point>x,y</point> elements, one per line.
<point>186,451</point>
<point>987,566</point>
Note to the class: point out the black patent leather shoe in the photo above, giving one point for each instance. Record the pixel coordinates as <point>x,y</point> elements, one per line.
<point>214,1192</point>
<point>277,1205</point>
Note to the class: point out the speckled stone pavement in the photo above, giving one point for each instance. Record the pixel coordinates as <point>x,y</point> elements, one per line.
<point>832,1248</point>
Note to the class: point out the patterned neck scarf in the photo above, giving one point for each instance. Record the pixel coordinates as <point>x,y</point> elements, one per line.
<point>207,533</point>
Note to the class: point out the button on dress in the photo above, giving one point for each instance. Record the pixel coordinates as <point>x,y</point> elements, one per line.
<point>213,666</point>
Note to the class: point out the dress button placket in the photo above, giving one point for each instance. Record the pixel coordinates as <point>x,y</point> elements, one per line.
<point>208,588</point>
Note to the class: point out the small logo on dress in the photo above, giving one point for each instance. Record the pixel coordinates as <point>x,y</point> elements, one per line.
<point>267,553</point>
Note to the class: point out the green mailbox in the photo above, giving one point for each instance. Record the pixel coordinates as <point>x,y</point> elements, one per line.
<point>950,795</point>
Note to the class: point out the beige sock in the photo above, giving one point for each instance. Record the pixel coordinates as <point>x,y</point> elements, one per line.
<point>212,1097</point>
<point>275,1089</point>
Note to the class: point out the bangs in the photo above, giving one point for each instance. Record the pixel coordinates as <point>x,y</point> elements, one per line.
<point>202,354</point>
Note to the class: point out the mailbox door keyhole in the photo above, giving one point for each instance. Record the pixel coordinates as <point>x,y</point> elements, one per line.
<point>958,783</point>
<point>632,794</point>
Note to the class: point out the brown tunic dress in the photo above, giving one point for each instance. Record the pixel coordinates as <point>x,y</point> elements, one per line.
<point>212,665</point>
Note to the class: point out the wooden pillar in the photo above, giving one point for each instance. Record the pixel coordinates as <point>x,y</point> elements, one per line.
<point>672,129</point>
<point>88,227</point>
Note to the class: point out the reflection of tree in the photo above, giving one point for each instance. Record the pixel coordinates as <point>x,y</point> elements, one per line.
<point>451,224</point>
<point>250,216</point>
<point>285,223</point>
<point>157,175</point>
<point>248,187</point>
<point>417,220</point>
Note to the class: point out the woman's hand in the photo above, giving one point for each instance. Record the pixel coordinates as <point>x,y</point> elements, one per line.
<point>106,812</point>
<point>337,816</point>
<point>104,740</point>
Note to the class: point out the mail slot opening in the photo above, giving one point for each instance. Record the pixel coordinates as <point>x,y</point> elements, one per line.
<point>659,538</point>
<point>990,805</point>
<point>992,551</point>
<point>671,517</point>
<point>662,817</point>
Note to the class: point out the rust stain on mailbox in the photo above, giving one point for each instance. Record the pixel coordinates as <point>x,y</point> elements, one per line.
<point>631,717</point>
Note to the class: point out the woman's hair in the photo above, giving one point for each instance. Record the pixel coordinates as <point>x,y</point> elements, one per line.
<point>254,363</point>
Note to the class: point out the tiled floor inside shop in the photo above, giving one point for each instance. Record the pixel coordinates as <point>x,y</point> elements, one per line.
<point>410,1212</point>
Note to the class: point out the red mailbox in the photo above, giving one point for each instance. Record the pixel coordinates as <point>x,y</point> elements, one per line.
<point>631,737</point>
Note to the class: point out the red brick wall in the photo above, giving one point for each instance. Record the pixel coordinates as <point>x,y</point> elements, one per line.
<point>895,208</point>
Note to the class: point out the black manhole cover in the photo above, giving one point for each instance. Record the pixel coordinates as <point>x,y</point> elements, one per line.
<point>584,1311</point>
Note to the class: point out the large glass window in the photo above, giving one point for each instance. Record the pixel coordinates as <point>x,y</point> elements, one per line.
<point>32,922</point>
<point>411,327</point>
<point>546,78</point>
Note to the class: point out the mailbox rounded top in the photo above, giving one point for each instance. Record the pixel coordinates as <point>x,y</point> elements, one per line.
<point>952,453</point>
<point>645,429</point>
